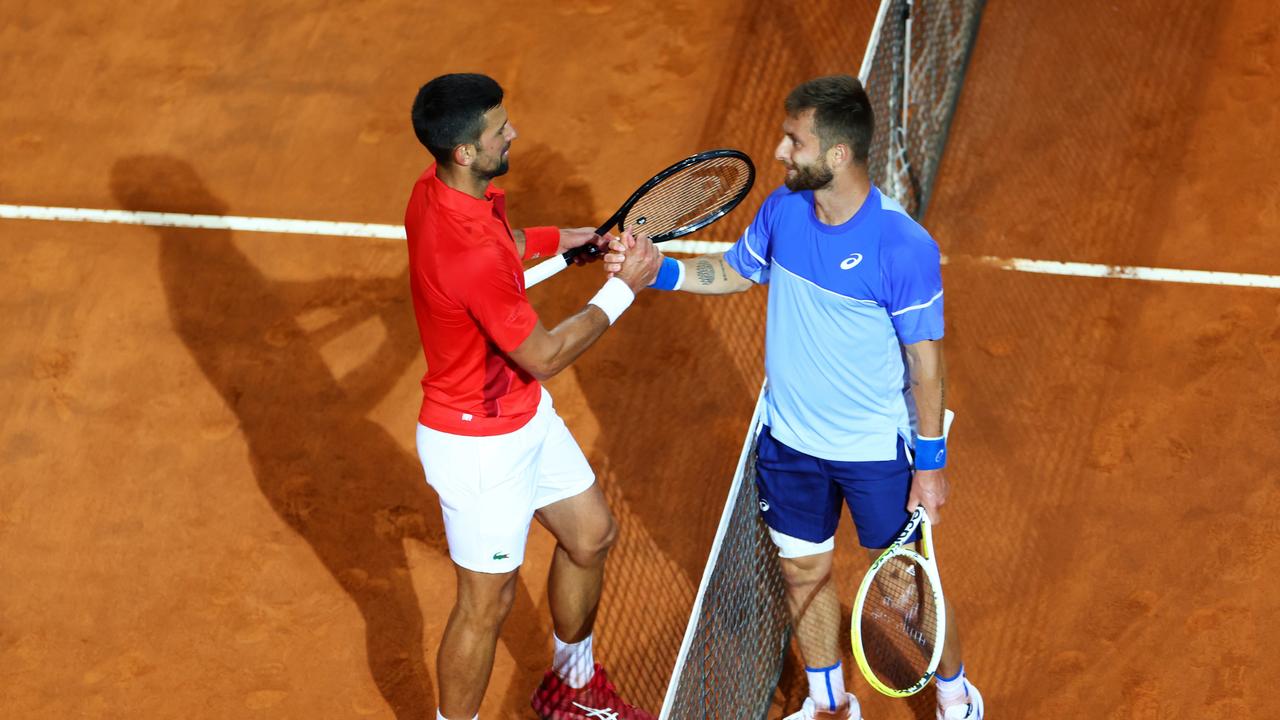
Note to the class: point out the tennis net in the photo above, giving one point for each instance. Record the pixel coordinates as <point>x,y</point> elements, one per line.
<point>735,644</point>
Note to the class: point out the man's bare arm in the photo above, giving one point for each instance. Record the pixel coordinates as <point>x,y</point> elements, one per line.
<point>928,384</point>
<point>518,236</point>
<point>546,352</point>
<point>711,275</point>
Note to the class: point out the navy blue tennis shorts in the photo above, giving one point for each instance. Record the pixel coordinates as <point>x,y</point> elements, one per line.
<point>800,494</point>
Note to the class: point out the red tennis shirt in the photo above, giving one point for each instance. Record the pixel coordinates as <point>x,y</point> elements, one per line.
<point>470,303</point>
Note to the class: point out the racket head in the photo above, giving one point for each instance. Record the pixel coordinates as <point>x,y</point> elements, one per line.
<point>688,195</point>
<point>899,622</point>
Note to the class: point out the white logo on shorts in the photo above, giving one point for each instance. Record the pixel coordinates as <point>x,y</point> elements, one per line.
<point>764,506</point>
<point>851,262</point>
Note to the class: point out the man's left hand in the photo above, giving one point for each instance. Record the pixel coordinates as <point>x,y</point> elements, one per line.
<point>571,238</point>
<point>928,488</point>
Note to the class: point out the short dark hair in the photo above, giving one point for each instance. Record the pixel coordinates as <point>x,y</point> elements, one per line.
<point>449,111</point>
<point>842,112</point>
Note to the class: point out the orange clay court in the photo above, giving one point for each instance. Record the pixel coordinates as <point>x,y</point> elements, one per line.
<point>210,501</point>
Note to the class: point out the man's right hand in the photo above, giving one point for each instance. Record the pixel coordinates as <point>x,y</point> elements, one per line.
<point>640,262</point>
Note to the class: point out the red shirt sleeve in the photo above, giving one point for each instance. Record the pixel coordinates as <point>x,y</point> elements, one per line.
<point>494,295</point>
<point>540,242</point>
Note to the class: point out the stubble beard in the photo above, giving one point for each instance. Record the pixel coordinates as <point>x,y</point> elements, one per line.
<point>809,177</point>
<point>501,169</point>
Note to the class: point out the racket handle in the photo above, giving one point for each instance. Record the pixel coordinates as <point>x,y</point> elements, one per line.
<point>544,270</point>
<point>547,268</point>
<point>588,250</point>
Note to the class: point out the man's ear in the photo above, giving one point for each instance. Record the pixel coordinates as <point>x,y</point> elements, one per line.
<point>840,156</point>
<point>463,155</point>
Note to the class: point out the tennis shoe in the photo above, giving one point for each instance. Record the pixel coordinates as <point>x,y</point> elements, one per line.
<point>556,699</point>
<point>810,711</point>
<point>967,708</point>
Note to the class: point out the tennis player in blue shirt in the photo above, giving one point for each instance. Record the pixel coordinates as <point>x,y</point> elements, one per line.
<point>854,320</point>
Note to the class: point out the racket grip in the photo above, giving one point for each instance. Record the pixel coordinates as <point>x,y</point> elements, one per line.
<point>544,270</point>
<point>590,251</point>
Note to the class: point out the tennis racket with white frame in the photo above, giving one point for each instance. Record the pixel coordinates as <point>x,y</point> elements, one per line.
<point>899,620</point>
<point>899,624</point>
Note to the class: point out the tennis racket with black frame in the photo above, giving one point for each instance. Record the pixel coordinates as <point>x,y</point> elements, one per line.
<point>680,200</point>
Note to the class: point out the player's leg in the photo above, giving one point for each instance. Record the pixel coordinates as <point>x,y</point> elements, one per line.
<point>815,612</point>
<point>802,508</point>
<point>584,530</point>
<point>573,508</point>
<point>876,493</point>
<point>957,697</point>
<point>952,660</point>
<point>465,659</point>
<point>814,605</point>
<point>487,487</point>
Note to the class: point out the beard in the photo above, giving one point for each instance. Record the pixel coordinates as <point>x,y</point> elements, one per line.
<point>809,177</point>
<point>501,169</point>
<point>498,168</point>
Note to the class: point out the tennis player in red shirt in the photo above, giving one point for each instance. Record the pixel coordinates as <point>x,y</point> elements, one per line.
<point>489,438</point>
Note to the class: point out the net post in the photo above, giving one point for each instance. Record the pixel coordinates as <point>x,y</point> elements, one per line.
<point>869,55</point>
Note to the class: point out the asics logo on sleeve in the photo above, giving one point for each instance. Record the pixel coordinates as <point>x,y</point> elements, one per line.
<point>851,262</point>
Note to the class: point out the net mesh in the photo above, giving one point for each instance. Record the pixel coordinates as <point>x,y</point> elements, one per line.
<point>913,109</point>
<point>734,653</point>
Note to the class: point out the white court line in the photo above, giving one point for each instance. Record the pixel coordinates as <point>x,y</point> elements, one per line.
<point>1130,272</point>
<point>261,224</point>
<point>205,222</point>
<point>690,247</point>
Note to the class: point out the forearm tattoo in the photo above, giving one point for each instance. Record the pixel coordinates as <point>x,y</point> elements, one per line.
<point>706,273</point>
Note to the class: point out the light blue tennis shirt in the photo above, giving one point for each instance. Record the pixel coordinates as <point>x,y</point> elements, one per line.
<point>843,299</point>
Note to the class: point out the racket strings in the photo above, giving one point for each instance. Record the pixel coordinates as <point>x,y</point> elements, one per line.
<point>705,179</point>
<point>720,181</point>
<point>677,206</point>
<point>899,623</point>
<point>689,196</point>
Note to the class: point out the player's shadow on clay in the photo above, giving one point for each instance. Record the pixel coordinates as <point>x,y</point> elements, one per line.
<point>335,477</point>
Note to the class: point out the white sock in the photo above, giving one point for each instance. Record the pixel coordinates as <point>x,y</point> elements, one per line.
<point>826,686</point>
<point>440,716</point>
<point>953,688</point>
<point>574,662</point>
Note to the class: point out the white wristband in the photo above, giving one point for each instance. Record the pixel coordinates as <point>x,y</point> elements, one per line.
<point>614,298</point>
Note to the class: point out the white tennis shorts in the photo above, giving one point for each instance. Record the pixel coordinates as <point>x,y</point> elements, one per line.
<point>489,487</point>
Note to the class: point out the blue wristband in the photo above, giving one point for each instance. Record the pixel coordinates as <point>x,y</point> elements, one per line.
<point>931,453</point>
<point>670,275</point>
